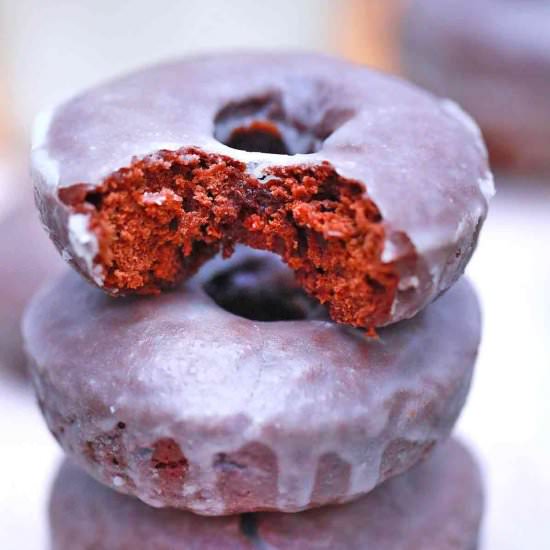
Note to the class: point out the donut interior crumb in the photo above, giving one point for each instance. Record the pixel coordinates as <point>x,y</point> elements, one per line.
<point>169,463</point>
<point>159,219</point>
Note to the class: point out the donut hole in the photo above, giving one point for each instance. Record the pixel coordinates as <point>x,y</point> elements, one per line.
<point>260,136</point>
<point>248,525</point>
<point>262,289</point>
<point>263,125</point>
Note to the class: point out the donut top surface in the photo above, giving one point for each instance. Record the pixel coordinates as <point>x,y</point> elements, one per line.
<point>179,366</point>
<point>241,383</point>
<point>419,162</point>
<point>180,355</point>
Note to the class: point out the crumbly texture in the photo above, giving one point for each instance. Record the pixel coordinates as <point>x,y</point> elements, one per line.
<point>320,150</point>
<point>161,218</point>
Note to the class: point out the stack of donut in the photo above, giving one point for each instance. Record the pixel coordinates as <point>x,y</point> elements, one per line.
<point>261,337</point>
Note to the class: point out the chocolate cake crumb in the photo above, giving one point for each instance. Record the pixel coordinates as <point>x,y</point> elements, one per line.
<point>161,218</point>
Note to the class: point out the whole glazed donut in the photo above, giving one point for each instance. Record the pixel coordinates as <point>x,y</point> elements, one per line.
<point>371,190</point>
<point>435,506</point>
<point>494,59</point>
<point>185,400</point>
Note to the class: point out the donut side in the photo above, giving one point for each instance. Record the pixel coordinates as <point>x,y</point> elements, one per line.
<point>435,506</point>
<point>85,515</point>
<point>186,400</point>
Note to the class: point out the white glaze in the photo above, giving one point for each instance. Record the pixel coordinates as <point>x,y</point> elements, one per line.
<point>84,244</point>
<point>421,160</point>
<point>178,367</point>
<point>41,127</point>
<point>435,506</point>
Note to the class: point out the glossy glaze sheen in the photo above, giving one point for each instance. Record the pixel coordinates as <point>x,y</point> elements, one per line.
<point>422,160</point>
<point>267,415</point>
<point>435,506</point>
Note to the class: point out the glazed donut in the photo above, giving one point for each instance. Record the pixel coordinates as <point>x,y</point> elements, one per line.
<point>185,400</point>
<point>28,260</point>
<point>435,506</point>
<point>494,59</point>
<point>371,190</point>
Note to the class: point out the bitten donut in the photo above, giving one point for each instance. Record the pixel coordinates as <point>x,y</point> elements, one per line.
<point>184,401</point>
<point>435,506</point>
<point>371,190</point>
<point>27,260</point>
<point>494,59</point>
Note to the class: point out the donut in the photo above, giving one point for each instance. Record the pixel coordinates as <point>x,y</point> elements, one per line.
<point>28,260</point>
<point>435,506</point>
<point>371,190</point>
<point>494,60</point>
<point>186,400</point>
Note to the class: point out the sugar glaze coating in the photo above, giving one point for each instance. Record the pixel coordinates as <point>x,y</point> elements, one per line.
<point>437,505</point>
<point>184,404</point>
<point>421,163</point>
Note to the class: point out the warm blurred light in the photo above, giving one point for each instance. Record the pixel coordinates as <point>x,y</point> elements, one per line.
<point>367,32</point>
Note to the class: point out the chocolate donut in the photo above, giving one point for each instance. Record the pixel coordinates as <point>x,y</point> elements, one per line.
<point>185,400</point>
<point>435,506</point>
<point>371,190</point>
<point>494,59</point>
<point>28,260</point>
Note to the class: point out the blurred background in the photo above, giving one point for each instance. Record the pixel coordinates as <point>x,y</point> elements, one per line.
<point>49,49</point>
